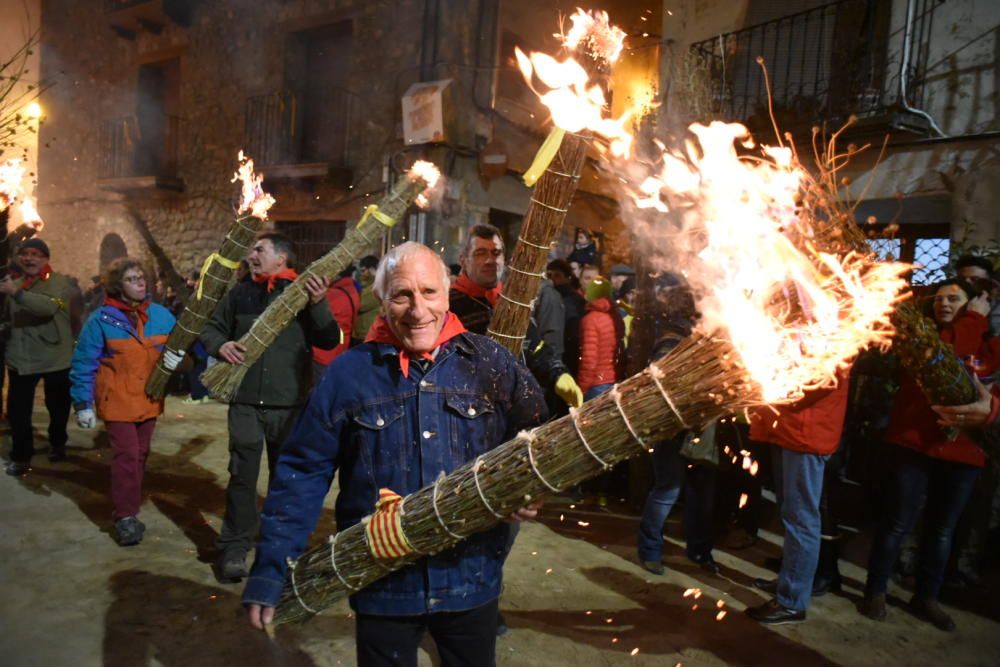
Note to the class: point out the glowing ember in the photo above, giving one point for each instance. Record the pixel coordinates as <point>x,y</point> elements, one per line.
<point>795,313</point>
<point>721,615</point>
<point>593,33</point>
<point>743,500</point>
<point>635,651</point>
<point>253,198</point>
<point>583,524</point>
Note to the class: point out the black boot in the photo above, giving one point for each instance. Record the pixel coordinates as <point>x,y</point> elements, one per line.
<point>827,576</point>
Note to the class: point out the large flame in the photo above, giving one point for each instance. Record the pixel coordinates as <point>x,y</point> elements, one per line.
<point>430,174</point>
<point>30,216</point>
<point>575,101</point>
<point>11,173</point>
<point>794,313</point>
<point>253,199</point>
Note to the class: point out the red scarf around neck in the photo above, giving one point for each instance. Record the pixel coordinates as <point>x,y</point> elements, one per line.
<point>381,333</point>
<point>31,280</point>
<point>465,285</point>
<point>272,278</point>
<point>140,310</point>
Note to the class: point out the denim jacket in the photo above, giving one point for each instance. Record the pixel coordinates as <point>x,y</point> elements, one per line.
<point>380,429</point>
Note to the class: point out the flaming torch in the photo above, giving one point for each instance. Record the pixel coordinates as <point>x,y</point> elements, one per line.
<point>222,380</point>
<point>216,274</point>
<point>782,316</point>
<point>11,175</point>
<point>576,101</point>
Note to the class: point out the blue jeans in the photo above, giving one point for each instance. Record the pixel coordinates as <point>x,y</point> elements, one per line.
<point>670,472</point>
<point>801,488</point>
<point>947,486</point>
<point>596,391</point>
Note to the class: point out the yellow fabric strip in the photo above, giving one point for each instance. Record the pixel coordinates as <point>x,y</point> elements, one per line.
<point>384,528</point>
<point>373,212</point>
<point>544,156</point>
<point>228,263</point>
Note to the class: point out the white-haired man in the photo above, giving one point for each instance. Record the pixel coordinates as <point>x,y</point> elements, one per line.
<point>420,397</point>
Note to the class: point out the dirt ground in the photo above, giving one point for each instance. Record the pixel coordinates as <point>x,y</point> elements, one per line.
<point>574,593</point>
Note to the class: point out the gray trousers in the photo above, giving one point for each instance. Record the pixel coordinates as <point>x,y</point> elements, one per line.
<point>251,429</point>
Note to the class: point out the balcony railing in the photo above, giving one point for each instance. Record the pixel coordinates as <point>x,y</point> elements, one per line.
<point>281,131</point>
<point>127,152</point>
<point>824,64</point>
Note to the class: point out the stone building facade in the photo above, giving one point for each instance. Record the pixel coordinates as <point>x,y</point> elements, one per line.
<point>152,100</point>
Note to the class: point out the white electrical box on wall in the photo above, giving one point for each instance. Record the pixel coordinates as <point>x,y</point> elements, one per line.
<point>424,111</point>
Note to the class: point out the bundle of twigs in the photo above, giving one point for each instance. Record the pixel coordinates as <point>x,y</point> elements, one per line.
<point>700,381</point>
<point>595,50</point>
<point>216,274</point>
<point>222,380</point>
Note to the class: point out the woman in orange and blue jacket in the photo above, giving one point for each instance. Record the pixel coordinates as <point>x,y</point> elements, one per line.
<point>114,357</point>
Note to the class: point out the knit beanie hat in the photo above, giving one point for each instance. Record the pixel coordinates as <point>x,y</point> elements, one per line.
<point>36,243</point>
<point>598,287</point>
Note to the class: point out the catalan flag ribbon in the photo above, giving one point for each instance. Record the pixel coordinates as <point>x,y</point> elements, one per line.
<point>384,528</point>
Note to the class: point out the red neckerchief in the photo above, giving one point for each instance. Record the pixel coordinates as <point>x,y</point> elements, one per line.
<point>139,311</point>
<point>465,285</point>
<point>272,278</point>
<point>381,333</point>
<point>31,280</point>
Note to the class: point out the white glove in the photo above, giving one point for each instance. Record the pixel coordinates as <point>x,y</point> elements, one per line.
<point>171,360</point>
<point>86,418</point>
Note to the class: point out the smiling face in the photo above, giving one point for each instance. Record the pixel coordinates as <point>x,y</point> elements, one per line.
<point>416,302</point>
<point>948,301</point>
<point>32,261</point>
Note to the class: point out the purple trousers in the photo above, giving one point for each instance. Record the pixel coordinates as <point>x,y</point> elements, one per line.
<point>130,448</point>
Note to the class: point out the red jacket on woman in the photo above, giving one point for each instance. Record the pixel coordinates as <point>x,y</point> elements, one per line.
<point>913,424</point>
<point>599,340</point>
<point>813,425</point>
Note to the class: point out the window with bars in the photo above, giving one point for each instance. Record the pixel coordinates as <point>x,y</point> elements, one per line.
<point>931,258</point>
<point>313,238</point>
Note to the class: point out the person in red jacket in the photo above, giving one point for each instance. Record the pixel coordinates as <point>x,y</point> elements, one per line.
<point>344,302</point>
<point>807,433</point>
<point>601,334</point>
<point>928,462</point>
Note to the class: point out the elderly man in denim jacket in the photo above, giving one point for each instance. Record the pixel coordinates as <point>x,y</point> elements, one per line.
<point>420,397</point>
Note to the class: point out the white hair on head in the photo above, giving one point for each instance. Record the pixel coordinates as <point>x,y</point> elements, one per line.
<point>398,255</point>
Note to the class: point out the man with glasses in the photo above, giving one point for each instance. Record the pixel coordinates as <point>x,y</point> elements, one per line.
<point>39,348</point>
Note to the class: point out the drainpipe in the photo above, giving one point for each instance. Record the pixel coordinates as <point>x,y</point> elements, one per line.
<point>907,39</point>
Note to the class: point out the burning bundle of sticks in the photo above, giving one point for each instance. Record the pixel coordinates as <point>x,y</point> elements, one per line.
<point>216,274</point>
<point>11,192</point>
<point>222,380</point>
<point>780,316</point>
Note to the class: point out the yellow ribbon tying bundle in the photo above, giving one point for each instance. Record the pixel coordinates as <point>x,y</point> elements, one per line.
<point>384,528</point>
<point>373,212</point>
<point>214,257</point>
<point>544,156</point>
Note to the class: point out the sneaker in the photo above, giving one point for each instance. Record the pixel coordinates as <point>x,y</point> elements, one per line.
<point>772,613</point>
<point>233,567</point>
<point>17,468</point>
<point>196,401</point>
<point>873,606</point>
<point>57,454</point>
<point>931,611</point>
<point>129,531</point>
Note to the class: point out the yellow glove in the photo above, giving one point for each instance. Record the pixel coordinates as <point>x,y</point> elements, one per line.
<point>569,391</point>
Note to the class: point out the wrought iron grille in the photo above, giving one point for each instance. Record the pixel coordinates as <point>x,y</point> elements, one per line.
<point>128,150</point>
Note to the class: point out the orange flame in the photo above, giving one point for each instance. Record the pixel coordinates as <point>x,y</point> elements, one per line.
<point>11,173</point>
<point>430,174</point>
<point>30,216</point>
<point>794,314</point>
<point>575,102</point>
<point>253,199</point>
